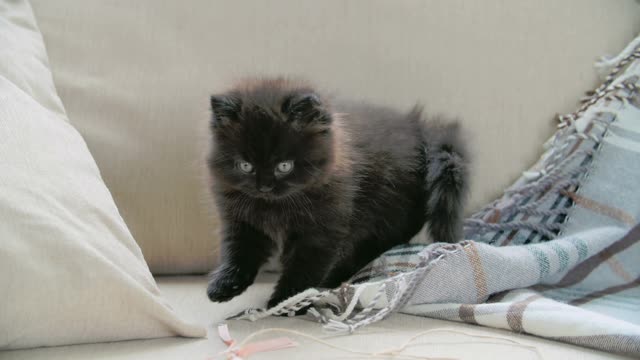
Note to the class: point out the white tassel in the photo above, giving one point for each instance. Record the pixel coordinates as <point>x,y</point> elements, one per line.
<point>532,175</point>
<point>352,303</point>
<point>288,306</point>
<point>338,327</point>
<point>605,64</point>
<point>250,314</point>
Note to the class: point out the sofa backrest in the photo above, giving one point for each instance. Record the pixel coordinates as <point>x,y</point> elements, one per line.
<point>135,77</point>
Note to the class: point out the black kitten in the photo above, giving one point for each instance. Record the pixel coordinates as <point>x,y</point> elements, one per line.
<point>331,186</point>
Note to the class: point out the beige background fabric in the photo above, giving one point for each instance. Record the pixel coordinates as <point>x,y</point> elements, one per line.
<point>70,271</point>
<point>135,77</point>
<point>185,294</point>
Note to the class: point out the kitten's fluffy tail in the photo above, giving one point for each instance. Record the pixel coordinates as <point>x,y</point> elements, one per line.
<point>446,179</point>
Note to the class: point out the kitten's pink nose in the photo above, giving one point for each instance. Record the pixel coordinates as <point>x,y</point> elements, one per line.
<point>265,188</point>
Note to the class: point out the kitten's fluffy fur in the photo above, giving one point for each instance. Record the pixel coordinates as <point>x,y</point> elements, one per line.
<point>364,179</point>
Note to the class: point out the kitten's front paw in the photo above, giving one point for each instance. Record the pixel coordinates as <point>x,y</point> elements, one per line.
<point>227,283</point>
<point>273,301</point>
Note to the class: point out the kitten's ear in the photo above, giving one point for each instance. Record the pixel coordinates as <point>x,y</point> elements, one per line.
<point>306,109</point>
<point>225,108</point>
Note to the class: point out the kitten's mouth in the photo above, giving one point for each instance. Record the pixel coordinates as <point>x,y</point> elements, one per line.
<point>271,196</point>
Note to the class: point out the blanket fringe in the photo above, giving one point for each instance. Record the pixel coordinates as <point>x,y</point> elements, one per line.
<point>605,65</point>
<point>556,171</point>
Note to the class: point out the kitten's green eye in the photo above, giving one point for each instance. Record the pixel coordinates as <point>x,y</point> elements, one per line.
<point>245,167</point>
<point>285,167</point>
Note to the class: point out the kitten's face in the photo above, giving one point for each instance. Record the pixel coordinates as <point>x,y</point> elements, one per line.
<point>270,143</point>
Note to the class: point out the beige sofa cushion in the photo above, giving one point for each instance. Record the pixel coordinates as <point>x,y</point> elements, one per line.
<point>70,271</point>
<point>135,77</point>
<point>185,294</point>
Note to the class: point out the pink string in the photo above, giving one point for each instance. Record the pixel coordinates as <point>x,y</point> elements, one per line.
<point>252,348</point>
<point>267,345</point>
<point>225,336</point>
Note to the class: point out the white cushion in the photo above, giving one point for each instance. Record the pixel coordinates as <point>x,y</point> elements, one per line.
<point>70,271</point>
<point>135,77</point>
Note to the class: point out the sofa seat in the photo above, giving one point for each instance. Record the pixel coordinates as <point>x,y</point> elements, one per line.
<point>187,296</point>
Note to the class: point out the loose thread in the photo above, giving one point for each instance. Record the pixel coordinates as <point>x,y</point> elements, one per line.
<point>510,342</point>
<point>397,352</point>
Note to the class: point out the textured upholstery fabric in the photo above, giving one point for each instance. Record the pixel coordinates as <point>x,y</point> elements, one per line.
<point>135,78</point>
<point>70,271</point>
<point>185,294</point>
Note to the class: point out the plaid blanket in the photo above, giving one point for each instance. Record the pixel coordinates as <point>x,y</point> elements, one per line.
<point>557,256</point>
